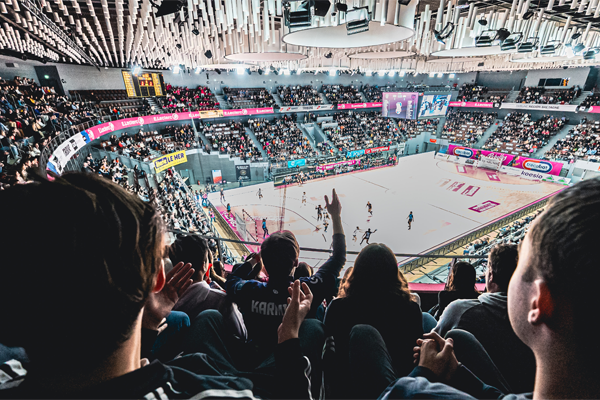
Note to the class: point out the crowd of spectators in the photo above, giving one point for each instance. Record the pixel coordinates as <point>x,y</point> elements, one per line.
<point>592,100</point>
<point>299,95</point>
<point>281,138</point>
<point>30,116</point>
<point>167,307</point>
<point>180,99</point>
<point>379,130</point>
<point>248,97</point>
<point>229,137</point>
<point>518,131</point>
<point>336,94</point>
<point>473,92</point>
<point>413,127</point>
<point>466,127</point>
<point>582,142</point>
<point>372,93</point>
<point>348,134</point>
<point>542,95</point>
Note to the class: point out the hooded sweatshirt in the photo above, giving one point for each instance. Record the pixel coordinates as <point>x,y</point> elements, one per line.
<point>487,319</point>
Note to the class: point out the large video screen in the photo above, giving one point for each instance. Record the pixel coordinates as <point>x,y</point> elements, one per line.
<point>400,105</point>
<point>147,84</point>
<point>434,105</point>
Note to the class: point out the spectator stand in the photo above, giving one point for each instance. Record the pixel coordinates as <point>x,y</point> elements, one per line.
<point>466,127</point>
<point>478,93</point>
<point>299,95</point>
<point>375,93</point>
<point>520,135</point>
<point>113,102</point>
<point>542,95</point>
<point>581,143</point>
<point>281,138</point>
<point>180,99</point>
<point>248,97</point>
<point>593,99</point>
<point>336,94</point>
<point>230,137</point>
<point>411,128</point>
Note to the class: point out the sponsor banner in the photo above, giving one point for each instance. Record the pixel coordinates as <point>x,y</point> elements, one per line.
<point>532,164</point>
<point>594,109</point>
<point>492,176</point>
<point>486,205</point>
<point>355,153</point>
<point>327,167</point>
<point>473,104</point>
<point>306,108</point>
<point>400,105</point>
<point>297,163</point>
<point>455,187</point>
<point>353,106</point>
<point>535,176</point>
<point>66,150</point>
<point>543,107</point>
<point>216,175</point>
<point>470,191</point>
<point>247,111</point>
<point>169,160</point>
<point>377,149</point>
<point>242,172</point>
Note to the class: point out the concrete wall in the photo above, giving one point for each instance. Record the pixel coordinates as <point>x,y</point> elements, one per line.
<point>577,76</point>
<point>501,80</point>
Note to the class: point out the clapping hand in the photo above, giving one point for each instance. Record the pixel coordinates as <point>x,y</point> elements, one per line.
<point>298,307</point>
<point>437,355</point>
<point>159,304</point>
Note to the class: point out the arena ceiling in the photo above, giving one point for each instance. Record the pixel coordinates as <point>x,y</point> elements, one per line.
<point>126,33</point>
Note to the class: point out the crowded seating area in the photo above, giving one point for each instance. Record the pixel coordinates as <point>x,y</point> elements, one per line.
<point>593,99</point>
<point>281,138</point>
<point>30,116</point>
<point>248,97</point>
<point>581,143</point>
<point>411,128</point>
<point>229,137</point>
<point>336,94</point>
<point>180,99</point>
<point>466,127</point>
<point>478,93</point>
<point>348,135</point>
<point>372,93</point>
<point>542,95</point>
<point>520,135</point>
<point>299,95</point>
<point>380,131</point>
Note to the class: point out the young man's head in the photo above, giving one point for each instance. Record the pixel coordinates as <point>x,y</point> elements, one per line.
<point>552,296</point>
<point>502,262</point>
<point>194,250</point>
<point>76,272</point>
<point>279,253</point>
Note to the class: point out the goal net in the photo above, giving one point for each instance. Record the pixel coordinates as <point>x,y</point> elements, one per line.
<point>493,163</point>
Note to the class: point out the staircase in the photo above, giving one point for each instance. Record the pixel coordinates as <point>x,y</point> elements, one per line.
<point>222,101</point>
<point>310,137</point>
<point>512,96</point>
<point>277,100</point>
<point>363,98</point>
<point>488,133</point>
<point>581,98</point>
<point>152,104</point>
<point>440,126</point>
<point>560,135</point>
<point>257,143</point>
<point>320,134</point>
<point>205,140</point>
<point>322,96</point>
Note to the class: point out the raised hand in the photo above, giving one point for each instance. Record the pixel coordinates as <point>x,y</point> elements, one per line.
<point>160,304</point>
<point>299,304</point>
<point>335,207</point>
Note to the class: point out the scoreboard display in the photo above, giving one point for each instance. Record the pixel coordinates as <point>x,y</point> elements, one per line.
<point>147,84</point>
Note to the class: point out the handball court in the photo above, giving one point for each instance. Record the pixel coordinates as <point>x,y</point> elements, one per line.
<point>447,201</point>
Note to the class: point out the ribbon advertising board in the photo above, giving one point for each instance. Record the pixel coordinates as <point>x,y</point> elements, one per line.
<point>169,160</point>
<point>327,167</point>
<point>318,107</point>
<point>377,149</point>
<point>473,104</point>
<point>353,106</point>
<point>247,111</point>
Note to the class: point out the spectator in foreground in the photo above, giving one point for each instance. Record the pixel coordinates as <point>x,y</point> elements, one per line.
<point>461,285</point>
<point>376,294</point>
<point>263,304</point>
<point>551,296</point>
<point>119,240</point>
<point>487,319</point>
<point>200,296</point>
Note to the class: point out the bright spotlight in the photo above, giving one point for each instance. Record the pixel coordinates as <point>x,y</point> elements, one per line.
<point>391,72</point>
<point>198,69</point>
<point>136,70</point>
<point>368,73</point>
<point>440,75</point>
<point>432,74</point>
<point>267,71</point>
<point>401,74</point>
<point>176,69</point>
<point>287,72</point>
<point>451,76</point>
<point>332,72</point>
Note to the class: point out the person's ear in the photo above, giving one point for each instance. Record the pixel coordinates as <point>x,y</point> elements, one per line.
<point>542,304</point>
<point>160,278</point>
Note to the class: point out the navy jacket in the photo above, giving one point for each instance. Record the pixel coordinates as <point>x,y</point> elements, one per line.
<point>263,304</point>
